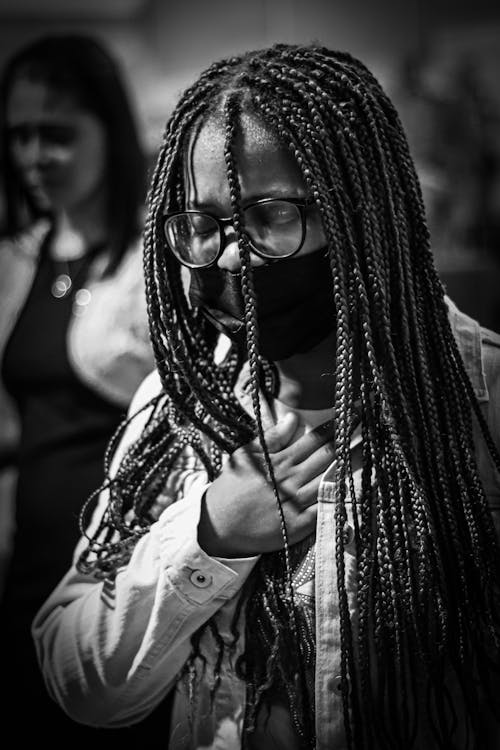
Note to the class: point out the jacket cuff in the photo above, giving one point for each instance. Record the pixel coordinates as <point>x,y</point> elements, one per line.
<point>194,574</point>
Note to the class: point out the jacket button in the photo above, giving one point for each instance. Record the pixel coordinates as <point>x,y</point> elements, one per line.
<point>347,534</point>
<point>200,580</point>
<point>336,684</point>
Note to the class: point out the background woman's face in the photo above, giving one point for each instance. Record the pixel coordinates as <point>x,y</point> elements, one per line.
<point>58,148</point>
<point>266,169</point>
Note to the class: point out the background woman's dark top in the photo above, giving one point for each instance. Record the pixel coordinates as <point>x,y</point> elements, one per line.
<point>65,430</point>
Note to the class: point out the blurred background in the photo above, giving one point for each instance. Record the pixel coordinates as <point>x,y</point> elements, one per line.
<point>438,59</point>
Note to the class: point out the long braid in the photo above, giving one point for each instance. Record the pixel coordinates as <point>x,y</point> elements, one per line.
<point>428,559</point>
<point>305,173</point>
<point>343,400</point>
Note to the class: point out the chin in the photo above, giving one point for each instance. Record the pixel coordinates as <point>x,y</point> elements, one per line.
<point>41,200</point>
<point>326,346</point>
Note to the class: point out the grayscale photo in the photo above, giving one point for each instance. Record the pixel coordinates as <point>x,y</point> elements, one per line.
<point>250,374</point>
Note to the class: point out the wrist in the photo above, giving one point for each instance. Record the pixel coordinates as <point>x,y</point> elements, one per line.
<point>210,539</point>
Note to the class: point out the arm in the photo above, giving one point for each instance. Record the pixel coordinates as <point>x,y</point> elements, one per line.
<point>111,650</point>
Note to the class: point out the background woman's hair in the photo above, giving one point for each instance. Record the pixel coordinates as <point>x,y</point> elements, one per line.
<point>428,562</point>
<point>80,68</point>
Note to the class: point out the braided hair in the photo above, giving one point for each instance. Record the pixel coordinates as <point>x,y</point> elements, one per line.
<point>428,561</point>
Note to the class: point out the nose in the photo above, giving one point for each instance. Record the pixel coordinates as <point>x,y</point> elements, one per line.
<point>230,257</point>
<point>32,151</point>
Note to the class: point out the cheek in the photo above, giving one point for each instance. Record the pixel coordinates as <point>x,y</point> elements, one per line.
<point>18,155</point>
<point>23,155</point>
<point>315,235</point>
<point>88,162</point>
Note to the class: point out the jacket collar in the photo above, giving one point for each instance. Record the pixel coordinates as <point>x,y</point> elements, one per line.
<point>29,241</point>
<point>467,332</point>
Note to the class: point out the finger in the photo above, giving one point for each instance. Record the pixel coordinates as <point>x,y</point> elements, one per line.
<point>280,434</point>
<point>319,461</point>
<point>315,464</point>
<point>304,523</point>
<point>301,482</point>
<point>307,495</point>
<point>267,416</point>
<point>310,473</point>
<point>309,443</point>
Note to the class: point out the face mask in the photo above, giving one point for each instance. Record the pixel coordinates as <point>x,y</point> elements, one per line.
<point>295,309</point>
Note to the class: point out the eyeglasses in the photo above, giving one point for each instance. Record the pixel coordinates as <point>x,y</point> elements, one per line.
<point>275,228</point>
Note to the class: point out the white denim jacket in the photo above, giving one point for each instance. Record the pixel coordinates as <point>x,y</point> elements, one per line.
<point>111,651</point>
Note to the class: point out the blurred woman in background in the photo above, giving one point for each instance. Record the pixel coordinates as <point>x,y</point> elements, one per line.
<point>73,333</point>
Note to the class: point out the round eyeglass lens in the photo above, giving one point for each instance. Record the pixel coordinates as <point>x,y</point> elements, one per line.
<point>193,237</point>
<point>274,228</point>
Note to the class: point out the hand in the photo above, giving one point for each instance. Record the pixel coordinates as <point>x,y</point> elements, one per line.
<point>239,515</point>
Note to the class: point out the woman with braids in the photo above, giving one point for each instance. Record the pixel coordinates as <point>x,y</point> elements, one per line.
<point>296,539</point>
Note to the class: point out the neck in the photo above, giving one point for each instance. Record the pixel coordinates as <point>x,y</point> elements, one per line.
<point>307,380</point>
<point>78,229</point>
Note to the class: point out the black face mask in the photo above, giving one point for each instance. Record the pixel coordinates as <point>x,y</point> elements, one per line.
<point>295,309</point>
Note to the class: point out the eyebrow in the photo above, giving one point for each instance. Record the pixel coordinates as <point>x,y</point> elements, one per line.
<point>211,207</point>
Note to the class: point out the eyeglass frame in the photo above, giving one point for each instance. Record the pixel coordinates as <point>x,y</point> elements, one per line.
<point>221,222</point>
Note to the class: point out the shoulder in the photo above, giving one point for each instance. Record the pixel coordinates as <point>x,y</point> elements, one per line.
<point>25,245</point>
<point>18,264</point>
<point>131,262</point>
<point>125,286</point>
<point>128,271</point>
<point>491,340</point>
<point>140,409</point>
<point>132,259</point>
<point>147,390</point>
<point>490,349</point>
<point>480,351</point>
<point>490,361</point>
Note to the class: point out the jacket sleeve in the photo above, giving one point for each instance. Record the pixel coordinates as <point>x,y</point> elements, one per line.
<point>111,650</point>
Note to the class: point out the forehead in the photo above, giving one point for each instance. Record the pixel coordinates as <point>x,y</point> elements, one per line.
<point>265,166</point>
<point>33,100</point>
